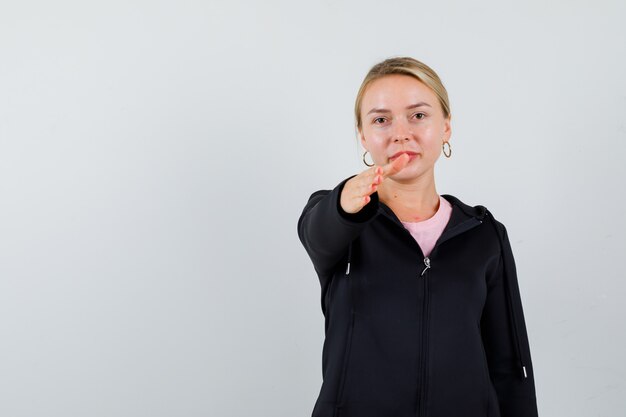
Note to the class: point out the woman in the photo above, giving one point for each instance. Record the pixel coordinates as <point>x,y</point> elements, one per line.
<point>423,315</point>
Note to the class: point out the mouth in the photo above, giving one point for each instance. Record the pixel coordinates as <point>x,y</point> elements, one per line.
<point>411,154</point>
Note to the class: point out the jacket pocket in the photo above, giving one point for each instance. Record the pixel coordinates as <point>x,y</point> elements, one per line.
<point>345,364</point>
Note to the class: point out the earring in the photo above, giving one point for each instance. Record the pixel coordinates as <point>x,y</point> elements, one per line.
<point>365,162</point>
<point>443,146</point>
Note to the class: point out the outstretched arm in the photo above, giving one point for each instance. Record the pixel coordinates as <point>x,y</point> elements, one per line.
<point>326,230</point>
<point>332,219</point>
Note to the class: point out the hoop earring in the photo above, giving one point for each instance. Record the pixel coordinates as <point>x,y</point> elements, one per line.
<point>443,146</point>
<point>365,162</point>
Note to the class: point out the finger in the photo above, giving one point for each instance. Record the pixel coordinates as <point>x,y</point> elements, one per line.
<point>361,200</point>
<point>372,189</point>
<point>396,165</point>
<point>378,176</point>
<point>375,175</point>
<point>367,189</point>
<point>366,179</point>
<point>376,169</point>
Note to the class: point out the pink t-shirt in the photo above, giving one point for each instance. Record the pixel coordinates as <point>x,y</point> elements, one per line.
<point>426,232</point>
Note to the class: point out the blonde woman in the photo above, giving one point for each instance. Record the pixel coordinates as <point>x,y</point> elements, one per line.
<point>423,313</point>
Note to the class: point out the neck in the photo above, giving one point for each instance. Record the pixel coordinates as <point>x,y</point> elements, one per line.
<point>412,201</point>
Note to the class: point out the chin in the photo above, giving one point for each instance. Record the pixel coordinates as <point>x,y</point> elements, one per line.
<point>404,176</point>
<point>408,174</point>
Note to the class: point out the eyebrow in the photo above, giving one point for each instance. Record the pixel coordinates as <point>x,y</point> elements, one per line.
<point>412,106</point>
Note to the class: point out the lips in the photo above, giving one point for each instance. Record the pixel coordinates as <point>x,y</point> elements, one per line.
<point>410,153</point>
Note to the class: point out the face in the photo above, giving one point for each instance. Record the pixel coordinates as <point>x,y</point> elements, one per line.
<point>400,113</point>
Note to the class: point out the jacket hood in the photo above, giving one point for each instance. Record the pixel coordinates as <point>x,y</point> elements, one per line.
<point>477,211</point>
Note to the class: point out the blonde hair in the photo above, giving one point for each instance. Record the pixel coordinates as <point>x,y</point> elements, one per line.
<point>406,66</point>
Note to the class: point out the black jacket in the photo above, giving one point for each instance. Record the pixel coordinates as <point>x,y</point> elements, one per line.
<point>408,335</point>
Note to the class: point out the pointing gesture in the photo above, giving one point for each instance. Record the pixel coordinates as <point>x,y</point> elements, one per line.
<point>357,190</point>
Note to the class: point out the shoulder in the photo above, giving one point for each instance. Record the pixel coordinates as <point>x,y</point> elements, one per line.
<point>337,186</point>
<point>479,211</point>
<point>318,194</point>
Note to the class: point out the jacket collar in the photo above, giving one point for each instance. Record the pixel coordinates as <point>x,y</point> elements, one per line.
<point>461,212</point>
<point>477,211</point>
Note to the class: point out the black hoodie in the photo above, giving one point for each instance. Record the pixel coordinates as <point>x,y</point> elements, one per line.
<point>408,335</point>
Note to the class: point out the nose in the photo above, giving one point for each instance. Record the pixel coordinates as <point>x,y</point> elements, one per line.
<point>401,138</point>
<point>402,133</point>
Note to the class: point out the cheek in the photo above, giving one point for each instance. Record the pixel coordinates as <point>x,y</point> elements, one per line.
<point>435,148</point>
<point>378,150</point>
<point>433,137</point>
<point>431,130</point>
<point>379,155</point>
<point>376,142</point>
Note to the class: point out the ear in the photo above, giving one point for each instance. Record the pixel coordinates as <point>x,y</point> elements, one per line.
<point>362,139</point>
<point>447,128</point>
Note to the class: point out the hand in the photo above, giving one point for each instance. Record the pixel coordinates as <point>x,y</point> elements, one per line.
<point>357,190</point>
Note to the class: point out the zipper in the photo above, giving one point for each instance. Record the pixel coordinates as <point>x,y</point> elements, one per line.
<point>423,360</point>
<point>427,263</point>
<point>446,235</point>
<point>421,409</point>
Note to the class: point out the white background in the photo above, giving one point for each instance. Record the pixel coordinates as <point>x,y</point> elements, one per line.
<point>155,157</point>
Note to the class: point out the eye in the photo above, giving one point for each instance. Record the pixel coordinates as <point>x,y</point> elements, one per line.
<point>378,118</point>
<point>417,114</point>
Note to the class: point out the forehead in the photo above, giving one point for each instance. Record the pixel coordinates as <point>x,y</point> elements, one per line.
<point>398,89</point>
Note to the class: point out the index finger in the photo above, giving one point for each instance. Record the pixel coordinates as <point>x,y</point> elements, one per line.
<point>396,165</point>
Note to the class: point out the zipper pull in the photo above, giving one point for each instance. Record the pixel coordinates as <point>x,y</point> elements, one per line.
<point>427,263</point>
<point>349,259</point>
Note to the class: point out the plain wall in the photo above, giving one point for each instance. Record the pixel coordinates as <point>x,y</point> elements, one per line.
<point>155,157</point>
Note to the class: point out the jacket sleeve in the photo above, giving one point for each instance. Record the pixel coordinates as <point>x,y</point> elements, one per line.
<point>326,230</point>
<point>505,338</point>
